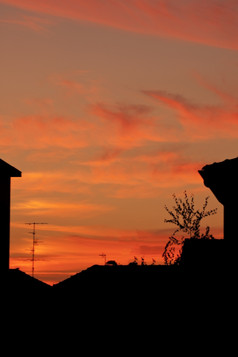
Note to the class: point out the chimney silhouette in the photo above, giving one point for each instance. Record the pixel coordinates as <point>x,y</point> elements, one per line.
<point>6,172</point>
<point>222,179</point>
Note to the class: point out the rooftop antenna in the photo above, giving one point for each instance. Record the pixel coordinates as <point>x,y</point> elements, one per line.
<point>103,255</point>
<point>34,242</point>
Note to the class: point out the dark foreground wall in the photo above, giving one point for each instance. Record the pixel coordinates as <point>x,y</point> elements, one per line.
<point>221,178</point>
<point>204,254</point>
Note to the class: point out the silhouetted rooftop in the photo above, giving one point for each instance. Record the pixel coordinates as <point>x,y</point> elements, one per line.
<point>128,279</point>
<point>18,280</point>
<point>221,178</point>
<point>8,170</point>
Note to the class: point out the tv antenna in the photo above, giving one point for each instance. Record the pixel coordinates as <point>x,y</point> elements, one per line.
<point>103,255</point>
<point>34,242</point>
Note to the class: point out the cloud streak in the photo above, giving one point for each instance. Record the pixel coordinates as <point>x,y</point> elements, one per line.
<point>34,23</point>
<point>118,126</point>
<point>201,122</point>
<point>44,131</point>
<point>132,125</point>
<point>208,22</point>
<point>60,209</point>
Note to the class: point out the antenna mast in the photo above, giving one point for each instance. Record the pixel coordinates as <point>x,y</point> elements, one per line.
<point>34,242</point>
<point>103,255</point>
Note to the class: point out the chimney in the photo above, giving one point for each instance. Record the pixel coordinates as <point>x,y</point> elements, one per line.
<point>6,172</point>
<point>222,179</point>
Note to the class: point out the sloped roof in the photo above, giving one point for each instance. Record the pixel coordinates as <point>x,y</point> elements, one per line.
<point>7,170</point>
<point>18,280</point>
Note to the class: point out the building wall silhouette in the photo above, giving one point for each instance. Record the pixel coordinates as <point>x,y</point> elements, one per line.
<point>6,172</point>
<point>222,179</point>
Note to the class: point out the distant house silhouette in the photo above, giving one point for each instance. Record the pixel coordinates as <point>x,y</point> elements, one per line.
<point>6,172</point>
<point>111,263</point>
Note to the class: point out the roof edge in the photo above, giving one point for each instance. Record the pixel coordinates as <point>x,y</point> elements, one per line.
<point>8,170</point>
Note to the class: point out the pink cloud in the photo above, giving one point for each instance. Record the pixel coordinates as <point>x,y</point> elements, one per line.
<point>209,22</point>
<point>114,128</point>
<point>40,207</point>
<point>34,23</point>
<point>71,86</point>
<point>132,125</point>
<point>135,174</point>
<point>44,182</point>
<point>201,121</point>
<point>105,157</point>
<point>226,98</point>
<point>86,87</point>
<point>128,117</point>
<point>44,132</point>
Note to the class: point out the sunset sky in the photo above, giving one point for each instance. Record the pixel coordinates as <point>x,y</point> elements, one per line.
<point>108,107</point>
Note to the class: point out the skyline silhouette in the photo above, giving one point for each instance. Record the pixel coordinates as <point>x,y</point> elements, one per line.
<point>109,108</point>
<point>200,254</point>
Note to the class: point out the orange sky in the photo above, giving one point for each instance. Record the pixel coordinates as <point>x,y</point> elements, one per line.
<point>108,108</point>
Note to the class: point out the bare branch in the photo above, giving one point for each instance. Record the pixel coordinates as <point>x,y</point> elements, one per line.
<point>187,219</point>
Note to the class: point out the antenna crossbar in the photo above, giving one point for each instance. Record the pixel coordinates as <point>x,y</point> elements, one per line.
<point>103,255</point>
<point>34,241</point>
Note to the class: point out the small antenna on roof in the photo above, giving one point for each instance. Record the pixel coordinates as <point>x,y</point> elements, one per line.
<point>103,255</point>
<point>34,242</point>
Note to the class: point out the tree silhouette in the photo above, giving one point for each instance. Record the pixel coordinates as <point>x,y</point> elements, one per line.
<point>188,221</point>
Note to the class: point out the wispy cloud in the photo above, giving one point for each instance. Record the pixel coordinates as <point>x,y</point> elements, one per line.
<point>132,125</point>
<point>227,99</point>
<point>78,83</point>
<point>128,117</point>
<point>35,23</point>
<point>202,121</point>
<point>154,173</point>
<point>60,209</point>
<point>44,132</point>
<point>209,22</point>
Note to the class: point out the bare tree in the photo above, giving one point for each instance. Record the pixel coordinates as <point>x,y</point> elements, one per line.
<point>187,219</point>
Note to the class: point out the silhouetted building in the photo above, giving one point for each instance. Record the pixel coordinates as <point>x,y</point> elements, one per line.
<point>222,179</point>
<point>111,263</point>
<point>6,172</point>
<point>18,281</point>
<point>105,279</point>
<point>203,255</point>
